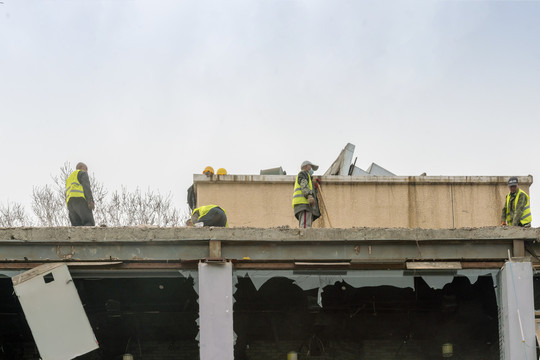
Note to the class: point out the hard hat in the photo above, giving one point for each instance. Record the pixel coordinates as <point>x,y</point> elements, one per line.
<point>512,181</point>
<point>208,169</point>
<point>221,171</point>
<point>313,166</point>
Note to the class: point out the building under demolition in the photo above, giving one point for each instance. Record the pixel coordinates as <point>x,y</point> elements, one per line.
<point>413,269</point>
<point>238,293</point>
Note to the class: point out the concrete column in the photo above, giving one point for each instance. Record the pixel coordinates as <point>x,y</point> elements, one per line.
<point>216,336</point>
<point>516,311</point>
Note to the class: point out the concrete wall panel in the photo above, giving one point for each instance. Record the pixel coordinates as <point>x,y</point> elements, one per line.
<point>413,202</point>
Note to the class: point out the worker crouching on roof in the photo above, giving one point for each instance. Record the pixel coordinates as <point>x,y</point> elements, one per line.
<point>79,200</point>
<point>305,204</point>
<point>516,210</point>
<point>209,215</point>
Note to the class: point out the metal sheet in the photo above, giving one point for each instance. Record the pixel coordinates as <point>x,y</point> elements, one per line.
<point>359,172</point>
<point>378,170</point>
<point>54,312</point>
<point>341,165</point>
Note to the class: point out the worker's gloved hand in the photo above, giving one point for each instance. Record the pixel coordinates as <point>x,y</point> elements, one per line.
<point>503,223</point>
<point>316,183</point>
<point>311,200</point>
<point>91,205</point>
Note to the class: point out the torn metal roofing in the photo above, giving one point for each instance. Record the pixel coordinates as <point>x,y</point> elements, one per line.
<point>345,166</point>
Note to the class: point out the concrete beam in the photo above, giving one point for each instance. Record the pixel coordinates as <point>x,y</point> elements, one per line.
<point>357,245</point>
<point>156,235</point>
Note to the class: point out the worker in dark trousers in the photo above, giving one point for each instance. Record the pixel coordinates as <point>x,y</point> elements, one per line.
<point>209,215</point>
<point>517,207</point>
<point>79,200</point>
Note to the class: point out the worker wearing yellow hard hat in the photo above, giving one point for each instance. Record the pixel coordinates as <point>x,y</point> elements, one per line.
<point>208,171</point>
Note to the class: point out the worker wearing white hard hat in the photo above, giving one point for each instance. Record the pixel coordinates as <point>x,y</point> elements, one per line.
<point>304,202</point>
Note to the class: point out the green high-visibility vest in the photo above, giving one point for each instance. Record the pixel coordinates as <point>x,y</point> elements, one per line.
<point>526,217</point>
<point>298,197</point>
<point>73,187</point>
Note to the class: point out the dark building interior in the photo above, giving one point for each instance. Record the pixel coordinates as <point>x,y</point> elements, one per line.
<point>156,318</point>
<point>381,322</point>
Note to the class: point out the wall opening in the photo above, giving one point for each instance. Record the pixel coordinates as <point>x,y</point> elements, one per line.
<point>370,322</point>
<point>151,318</point>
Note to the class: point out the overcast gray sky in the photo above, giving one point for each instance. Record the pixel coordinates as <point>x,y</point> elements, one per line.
<point>149,92</point>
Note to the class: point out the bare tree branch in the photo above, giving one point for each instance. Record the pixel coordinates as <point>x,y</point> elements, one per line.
<point>121,208</point>
<point>13,215</point>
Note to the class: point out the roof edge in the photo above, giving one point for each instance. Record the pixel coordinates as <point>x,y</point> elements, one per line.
<point>332,179</point>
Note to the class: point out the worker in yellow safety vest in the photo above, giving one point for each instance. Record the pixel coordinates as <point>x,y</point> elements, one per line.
<point>79,200</point>
<point>304,202</point>
<point>208,215</point>
<point>517,208</point>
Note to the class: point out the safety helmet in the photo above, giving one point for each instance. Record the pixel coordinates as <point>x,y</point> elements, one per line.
<point>208,169</point>
<point>221,171</point>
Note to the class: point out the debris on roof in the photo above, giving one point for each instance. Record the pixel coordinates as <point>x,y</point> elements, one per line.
<point>378,170</point>
<point>273,171</point>
<point>344,165</point>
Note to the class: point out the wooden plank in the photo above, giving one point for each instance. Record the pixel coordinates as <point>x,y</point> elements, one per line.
<point>432,265</point>
<point>92,263</point>
<point>322,263</point>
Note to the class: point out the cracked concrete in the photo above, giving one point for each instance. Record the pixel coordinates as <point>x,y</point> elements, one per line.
<point>156,234</point>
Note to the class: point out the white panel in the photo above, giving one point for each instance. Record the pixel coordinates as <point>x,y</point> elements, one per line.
<point>377,170</point>
<point>359,172</point>
<point>516,312</point>
<point>54,312</point>
<point>216,311</point>
<point>347,159</point>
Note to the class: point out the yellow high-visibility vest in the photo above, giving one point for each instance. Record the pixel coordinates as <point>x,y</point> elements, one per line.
<point>73,187</point>
<point>298,197</point>
<point>526,217</point>
<point>203,210</point>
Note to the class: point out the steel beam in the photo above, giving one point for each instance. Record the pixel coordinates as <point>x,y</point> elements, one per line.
<point>257,250</point>
<point>265,245</point>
